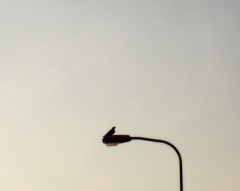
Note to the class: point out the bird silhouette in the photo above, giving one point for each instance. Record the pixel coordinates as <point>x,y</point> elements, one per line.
<point>110,132</point>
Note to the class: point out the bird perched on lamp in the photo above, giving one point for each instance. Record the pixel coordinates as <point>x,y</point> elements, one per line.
<point>110,132</point>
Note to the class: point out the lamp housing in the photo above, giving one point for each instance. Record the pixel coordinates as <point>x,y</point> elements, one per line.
<point>114,140</point>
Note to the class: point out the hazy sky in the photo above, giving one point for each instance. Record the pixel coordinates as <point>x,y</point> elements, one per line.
<point>70,70</point>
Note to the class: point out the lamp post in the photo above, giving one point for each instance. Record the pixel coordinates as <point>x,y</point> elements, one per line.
<point>112,140</point>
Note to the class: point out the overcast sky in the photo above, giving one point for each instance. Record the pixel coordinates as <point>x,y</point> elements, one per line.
<point>70,70</point>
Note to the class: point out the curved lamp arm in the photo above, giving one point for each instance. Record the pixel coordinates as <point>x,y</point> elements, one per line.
<point>175,149</point>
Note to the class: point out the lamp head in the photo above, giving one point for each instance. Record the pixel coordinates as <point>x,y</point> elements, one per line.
<point>113,140</point>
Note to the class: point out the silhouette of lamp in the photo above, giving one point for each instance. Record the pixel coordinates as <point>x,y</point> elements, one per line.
<point>113,140</point>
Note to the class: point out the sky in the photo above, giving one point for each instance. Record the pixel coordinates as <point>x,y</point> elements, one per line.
<point>71,70</point>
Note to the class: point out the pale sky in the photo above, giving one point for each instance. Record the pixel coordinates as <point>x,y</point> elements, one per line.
<point>70,70</point>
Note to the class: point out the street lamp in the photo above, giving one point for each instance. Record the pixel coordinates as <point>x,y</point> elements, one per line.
<point>112,140</point>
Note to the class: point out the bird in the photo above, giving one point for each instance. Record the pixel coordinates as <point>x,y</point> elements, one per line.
<point>110,132</point>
